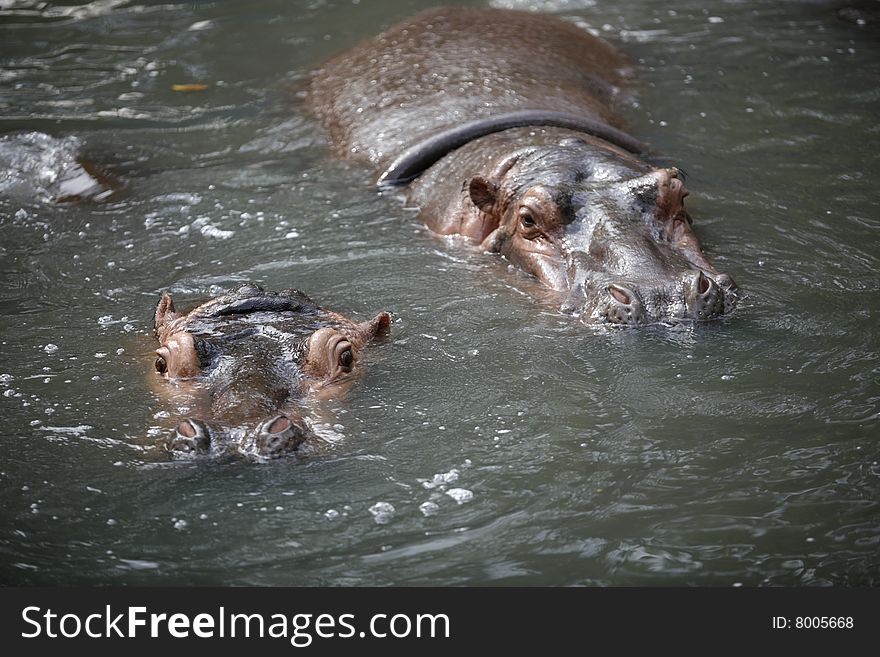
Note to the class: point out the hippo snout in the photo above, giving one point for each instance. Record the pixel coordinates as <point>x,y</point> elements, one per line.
<point>276,436</point>
<point>698,296</point>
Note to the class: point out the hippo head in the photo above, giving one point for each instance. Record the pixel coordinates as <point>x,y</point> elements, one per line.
<point>601,226</point>
<point>255,354</point>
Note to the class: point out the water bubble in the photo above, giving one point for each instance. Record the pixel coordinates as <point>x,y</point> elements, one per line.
<point>428,508</point>
<point>382,512</point>
<point>441,479</point>
<point>460,495</point>
<point>50,348</point>
<point>210,230</point>
<point>111,521</point>
<point>180,524</point>
<point>331,514</point>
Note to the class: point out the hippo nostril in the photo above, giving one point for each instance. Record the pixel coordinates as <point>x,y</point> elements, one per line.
<point>624,307</point>
<point>705,299</point>
<point>279,424</point>
<point>186,429</point>
<point>620,294</point>
<point>704,284</point>
<point>189,436</point>
<point>279,435</point>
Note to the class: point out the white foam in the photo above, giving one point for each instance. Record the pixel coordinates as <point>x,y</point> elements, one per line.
<point>441,479</point>
<point>382,512</point>
<point>460,495</point>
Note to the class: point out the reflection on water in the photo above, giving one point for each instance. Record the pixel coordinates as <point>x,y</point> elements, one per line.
<point>492,440</point>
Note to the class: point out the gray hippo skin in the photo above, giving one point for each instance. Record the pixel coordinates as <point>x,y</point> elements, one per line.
<point>499,124</point>
<point>253,357</point>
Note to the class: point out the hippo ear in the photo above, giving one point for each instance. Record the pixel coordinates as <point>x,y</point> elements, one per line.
<point>483,193</point>
<point>165,312</point>
<point>379,326</point>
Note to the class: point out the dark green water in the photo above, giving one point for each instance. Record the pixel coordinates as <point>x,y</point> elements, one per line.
<point>514,446</point>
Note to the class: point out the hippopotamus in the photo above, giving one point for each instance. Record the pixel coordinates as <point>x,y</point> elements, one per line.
<point>498,126</point>
<point>251,358</point>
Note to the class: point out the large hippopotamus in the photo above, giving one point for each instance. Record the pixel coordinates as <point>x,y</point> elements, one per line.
<point>248,359</point>
<point>499,124</point>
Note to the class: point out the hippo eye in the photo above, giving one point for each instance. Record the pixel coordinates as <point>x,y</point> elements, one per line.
<point>161,365</point>
<point>526,219</point>
<point>346,358</point>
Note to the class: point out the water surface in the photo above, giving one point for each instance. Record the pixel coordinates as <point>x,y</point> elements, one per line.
<point>492,441</point>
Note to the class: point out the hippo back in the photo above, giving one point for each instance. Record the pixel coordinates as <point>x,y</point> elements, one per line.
<point>452,65</point>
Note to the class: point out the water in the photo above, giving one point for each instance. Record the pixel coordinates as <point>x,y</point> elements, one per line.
<point>492,441</point>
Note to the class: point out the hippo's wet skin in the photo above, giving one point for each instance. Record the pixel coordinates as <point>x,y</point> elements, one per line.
<point>500,125</point>
<point>255,355</point>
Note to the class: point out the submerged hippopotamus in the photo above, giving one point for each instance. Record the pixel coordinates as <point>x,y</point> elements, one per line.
<point>249,358</point>
<point>37,166</point>
<point>499,124</point>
